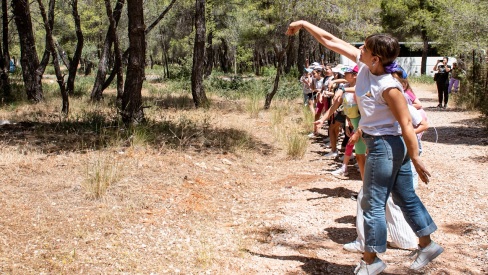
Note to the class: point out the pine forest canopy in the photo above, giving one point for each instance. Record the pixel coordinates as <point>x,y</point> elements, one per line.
<point>240,36</point>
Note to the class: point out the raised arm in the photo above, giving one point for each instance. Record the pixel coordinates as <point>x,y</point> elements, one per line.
<point>398,106</point>
<point>325,38</point>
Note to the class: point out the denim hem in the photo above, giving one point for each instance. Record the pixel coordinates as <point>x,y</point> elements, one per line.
<point>375,249</point>
<point>427,230</point>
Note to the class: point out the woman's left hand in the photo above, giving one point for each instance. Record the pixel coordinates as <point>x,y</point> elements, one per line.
<point>424,174</point>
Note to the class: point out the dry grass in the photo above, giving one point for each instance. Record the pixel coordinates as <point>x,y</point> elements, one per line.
<point>85,195</point>
<point>209,192</point>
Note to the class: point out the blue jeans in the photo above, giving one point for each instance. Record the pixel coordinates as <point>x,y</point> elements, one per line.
<point>388,171</point>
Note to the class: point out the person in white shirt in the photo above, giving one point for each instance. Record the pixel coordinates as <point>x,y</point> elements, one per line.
<point>386,127</point>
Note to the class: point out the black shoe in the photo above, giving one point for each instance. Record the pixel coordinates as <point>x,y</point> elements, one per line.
<point>439,106</point>
<point>445,106</point>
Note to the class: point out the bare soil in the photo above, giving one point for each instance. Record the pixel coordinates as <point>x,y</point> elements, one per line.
<point>201,210</point>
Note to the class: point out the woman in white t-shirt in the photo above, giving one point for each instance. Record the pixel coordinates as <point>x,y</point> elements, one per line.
<point>386,128</point>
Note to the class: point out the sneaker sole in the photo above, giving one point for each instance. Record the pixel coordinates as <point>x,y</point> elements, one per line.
<point>430,259</point>
<point>379,270</point>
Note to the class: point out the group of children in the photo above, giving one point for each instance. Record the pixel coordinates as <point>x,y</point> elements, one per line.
<point>329,94</point>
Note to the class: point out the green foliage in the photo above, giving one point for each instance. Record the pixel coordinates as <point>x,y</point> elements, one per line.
<point>473,92</point>
<point>269,71</point>
<point>181,70</point>
<point>244,58</point>
<point>425,79</point>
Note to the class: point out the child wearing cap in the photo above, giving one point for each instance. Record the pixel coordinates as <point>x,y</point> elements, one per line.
<point>306,81</point>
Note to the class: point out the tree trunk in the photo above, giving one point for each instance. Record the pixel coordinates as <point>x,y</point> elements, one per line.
<point>97,90</point>
<point>132,111</point>
<point>257,61</point>
<point>88,67</point>
<point>224,60</point>
<point>73,65</point>
<point>52,49</point>
<point>302,51</point>
<point>125,54</point>
<point>280,55</point>
<point>47,54</point>
<point>4,54</point>
<point>28,56</point>
<point>209,61</point>
<point>290,56</point>
<point>164,56</point>
<point>197,90</point>
<point>425,50</point>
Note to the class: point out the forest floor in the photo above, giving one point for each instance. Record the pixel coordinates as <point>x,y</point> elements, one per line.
<point>199,210</point>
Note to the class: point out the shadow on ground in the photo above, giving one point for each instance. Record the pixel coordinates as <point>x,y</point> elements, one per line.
<point>97,133</point>
<point>335,192</point>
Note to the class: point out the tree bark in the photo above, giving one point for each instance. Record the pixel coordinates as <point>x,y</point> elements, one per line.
<point>160,17</point>
<point>47,53</point>
<point>125,54</point>
<point>75,61</point>
<point>28,54</point>
<point>257,61</point>
<point>223,54</point>
<point>197,90</point>
<point>4,54</point>
<point>97,90</point>
<point>209,61</point>
<point>132,111</point>
<point>302,51</point>
<point>290,55</point>
<point>425,50</point>
<point>52,48</point>
<point>280,54</point>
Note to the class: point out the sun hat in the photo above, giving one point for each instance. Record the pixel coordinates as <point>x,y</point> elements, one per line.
<point>339,68</point>
<point>351,69</point>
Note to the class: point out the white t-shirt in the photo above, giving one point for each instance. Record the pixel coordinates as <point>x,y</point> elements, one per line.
<point>376,116</point>
<point>417,117</point>
<point>323,82</point>
<point>415,114</point>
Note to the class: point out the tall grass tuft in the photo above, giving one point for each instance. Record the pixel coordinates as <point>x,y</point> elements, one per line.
<point>141,135</point>
<point>253,105</point>
<point>296,145</point>
<point>308,120</point>
<point>279,113</point>
<point>101,173</point>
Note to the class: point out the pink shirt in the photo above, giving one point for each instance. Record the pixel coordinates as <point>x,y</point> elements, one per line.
<point>411,95</point>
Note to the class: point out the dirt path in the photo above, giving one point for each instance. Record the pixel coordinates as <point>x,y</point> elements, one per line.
<point>317,215</point>
<point>192,211</point>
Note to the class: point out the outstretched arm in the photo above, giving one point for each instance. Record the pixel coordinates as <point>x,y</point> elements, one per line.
<point>325,38</point>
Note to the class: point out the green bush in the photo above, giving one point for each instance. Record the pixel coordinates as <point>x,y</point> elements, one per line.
<point>424,79</point>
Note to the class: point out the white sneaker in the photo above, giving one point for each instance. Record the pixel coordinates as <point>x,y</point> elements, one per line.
<point>311,135</point>
<point>352,247</point>
<point>340,172</point>
<point>331,154</point>
<point>426,255</point>
<point>370,269</point>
